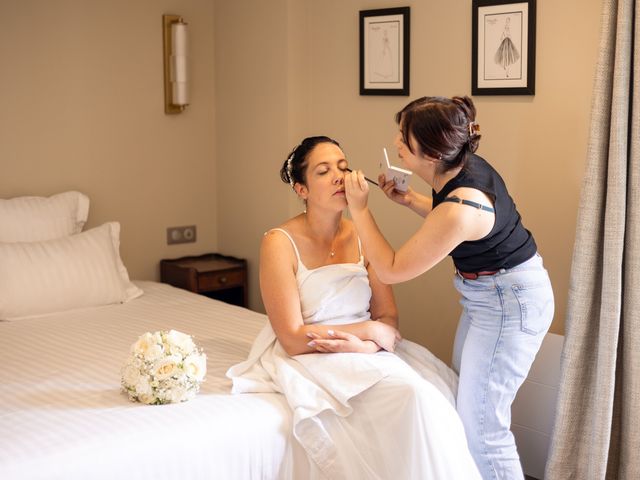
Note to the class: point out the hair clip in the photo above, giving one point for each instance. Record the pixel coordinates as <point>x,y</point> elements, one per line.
<point>290,169</point>
<point>474,128</point>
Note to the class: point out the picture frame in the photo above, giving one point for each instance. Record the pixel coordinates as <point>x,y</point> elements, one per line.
<point>384,51</point>
<point>503,47</point>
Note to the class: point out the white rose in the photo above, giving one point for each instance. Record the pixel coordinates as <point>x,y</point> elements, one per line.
<point>189,394</point>
<point>142,386</point>
<point>153,352</point>
<point>147,398</point>
<point>166,367</point>
<point>130,375</point>
<point>195,366</point>
<point>177,394</point>
<point>143,343</point>
<point>179,342</point>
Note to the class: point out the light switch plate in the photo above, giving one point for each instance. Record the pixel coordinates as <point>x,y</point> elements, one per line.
<point>185,234</point>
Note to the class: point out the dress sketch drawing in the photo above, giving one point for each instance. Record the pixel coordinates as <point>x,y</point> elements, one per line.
<point>384,62</point>
<point>507,53</point>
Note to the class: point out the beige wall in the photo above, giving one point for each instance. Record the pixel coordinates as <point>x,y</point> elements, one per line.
<point>537,142</point>
<point>81,96</point>
<point>81,91</point>
<point>251,117</point>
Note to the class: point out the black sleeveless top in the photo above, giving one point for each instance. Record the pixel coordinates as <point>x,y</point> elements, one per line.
<point>508,243</point>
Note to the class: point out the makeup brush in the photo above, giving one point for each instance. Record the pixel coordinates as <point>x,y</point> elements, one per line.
<point>367,179</point>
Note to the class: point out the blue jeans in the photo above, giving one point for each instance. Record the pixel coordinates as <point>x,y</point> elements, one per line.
<point>504,319</point>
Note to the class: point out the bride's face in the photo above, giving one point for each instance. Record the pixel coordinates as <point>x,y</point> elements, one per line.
<point>325,176</point>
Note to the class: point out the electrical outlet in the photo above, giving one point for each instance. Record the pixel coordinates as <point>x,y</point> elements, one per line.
<point>181,234</point>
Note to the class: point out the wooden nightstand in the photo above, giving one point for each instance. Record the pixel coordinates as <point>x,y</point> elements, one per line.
<point>214,275</point>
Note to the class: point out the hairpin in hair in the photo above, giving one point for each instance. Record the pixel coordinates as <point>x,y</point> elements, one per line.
<point>474,128</point>
<point>290,169</point>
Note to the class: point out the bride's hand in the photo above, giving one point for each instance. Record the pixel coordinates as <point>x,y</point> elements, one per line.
<point>338,341</point>
<point>386,336</point>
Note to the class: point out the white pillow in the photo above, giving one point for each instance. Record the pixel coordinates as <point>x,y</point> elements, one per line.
<point>82,270</point>
<point>34,219</point>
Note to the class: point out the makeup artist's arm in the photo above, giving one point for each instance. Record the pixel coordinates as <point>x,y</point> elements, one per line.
<point>421,204</point>
<point>442,230</point>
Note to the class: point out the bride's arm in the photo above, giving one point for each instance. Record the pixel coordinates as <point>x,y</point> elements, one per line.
<point>383,309</point>
<point>282,302</point>
<point>383,305</point>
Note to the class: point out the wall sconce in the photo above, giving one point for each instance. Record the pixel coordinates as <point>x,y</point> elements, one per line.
<point>176,91</point>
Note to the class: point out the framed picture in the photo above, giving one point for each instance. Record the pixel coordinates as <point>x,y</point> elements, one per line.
<point>503,47</point>
<point>384,51</point>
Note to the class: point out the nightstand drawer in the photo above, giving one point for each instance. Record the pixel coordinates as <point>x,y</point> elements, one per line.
<point>216,276</point>
<point>217,280</point>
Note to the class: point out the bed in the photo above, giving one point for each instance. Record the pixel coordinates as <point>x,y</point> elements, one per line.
<point>63,414</point>
<point>63,343</point>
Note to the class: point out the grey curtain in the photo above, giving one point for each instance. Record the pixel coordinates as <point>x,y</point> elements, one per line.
<point>597,425</point>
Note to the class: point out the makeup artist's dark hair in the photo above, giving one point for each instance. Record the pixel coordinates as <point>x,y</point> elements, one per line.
<point>444,128</point>
<point>294,168</point>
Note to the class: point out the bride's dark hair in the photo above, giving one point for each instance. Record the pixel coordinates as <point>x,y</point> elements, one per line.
<point>294,168</point>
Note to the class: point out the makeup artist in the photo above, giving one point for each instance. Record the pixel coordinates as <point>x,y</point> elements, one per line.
<point>505,290</point>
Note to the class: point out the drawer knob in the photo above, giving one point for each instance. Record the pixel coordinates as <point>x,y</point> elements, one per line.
<point>223,280</point>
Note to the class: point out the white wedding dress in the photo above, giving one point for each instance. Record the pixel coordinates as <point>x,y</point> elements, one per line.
<point>355,415</point>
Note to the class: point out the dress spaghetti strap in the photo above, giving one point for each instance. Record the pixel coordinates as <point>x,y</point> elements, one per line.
<point>295,248</point>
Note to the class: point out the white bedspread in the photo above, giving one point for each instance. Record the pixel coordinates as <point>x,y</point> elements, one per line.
<point>62,415</point>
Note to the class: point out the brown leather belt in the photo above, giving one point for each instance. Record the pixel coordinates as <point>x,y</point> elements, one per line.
<point>475,275</point>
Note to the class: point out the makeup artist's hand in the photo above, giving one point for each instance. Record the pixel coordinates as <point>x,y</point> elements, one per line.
<point>403,198</point>
<point>357,190</point>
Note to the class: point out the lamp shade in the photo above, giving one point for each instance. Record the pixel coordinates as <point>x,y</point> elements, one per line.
<point>175,54</point>
<point>179,83</point>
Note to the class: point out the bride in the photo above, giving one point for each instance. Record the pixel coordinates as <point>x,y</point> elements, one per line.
<point>360,411</point>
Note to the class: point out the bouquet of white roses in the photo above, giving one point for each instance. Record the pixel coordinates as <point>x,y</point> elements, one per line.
<point>163,367</point>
